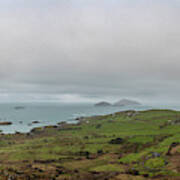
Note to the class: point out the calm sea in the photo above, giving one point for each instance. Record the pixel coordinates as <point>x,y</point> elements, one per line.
<point>49,114</point>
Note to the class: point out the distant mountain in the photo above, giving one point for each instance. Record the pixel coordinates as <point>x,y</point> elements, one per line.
<point>126,102</point>
<point>103,103</point>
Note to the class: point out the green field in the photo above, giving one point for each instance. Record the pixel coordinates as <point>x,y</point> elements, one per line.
<point>126,145</point>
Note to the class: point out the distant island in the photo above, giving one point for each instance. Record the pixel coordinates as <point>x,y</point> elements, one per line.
<point>19,107</point>
<point>122,102</point>
<point>103,103</point>
<point>126,102</point>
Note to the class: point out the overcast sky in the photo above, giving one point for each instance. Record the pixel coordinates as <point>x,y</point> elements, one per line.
<point>89,50</point>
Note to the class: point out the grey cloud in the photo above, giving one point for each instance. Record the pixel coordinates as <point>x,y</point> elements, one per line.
<point>91,49</point>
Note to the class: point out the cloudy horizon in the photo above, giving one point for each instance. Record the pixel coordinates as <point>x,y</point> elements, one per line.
<point>86,51</point>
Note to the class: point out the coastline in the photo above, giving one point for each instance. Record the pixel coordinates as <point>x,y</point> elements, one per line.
<point>49,114</point>
<point>130,144</point>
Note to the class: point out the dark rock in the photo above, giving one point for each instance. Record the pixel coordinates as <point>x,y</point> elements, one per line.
<point>5,123</point>
<point>173,145</point>
<point>133,171</point>
<point>116,141</point>
<point>59,171</point>
<point>84,153</point>
<point>19,172</point>
<point>86,137</point>
<point>146,175</point>
<point>35,122</point>
<point>155,154</point>
<point>76,171</point>
<point>98,126</point>
<point>17,133</point>
<point>28,134</point>
<point>79,118</point>
<point>63,123</point>
<point>94,172</point>
<point>166,162</point>
<point>44,161</point>
<point>40,170</point>
<point>100,152</point>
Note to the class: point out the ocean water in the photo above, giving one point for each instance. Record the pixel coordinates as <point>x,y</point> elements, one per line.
<point>49,114</point>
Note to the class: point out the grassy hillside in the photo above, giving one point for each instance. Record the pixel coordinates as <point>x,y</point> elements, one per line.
<point>121,146</point>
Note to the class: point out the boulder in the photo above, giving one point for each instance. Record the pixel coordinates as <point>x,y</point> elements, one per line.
<point>155,155</point>
<point>116,141</point>
<point>35,122</point>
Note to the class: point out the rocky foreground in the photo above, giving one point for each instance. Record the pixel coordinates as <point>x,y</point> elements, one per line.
<point>127,145</point>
